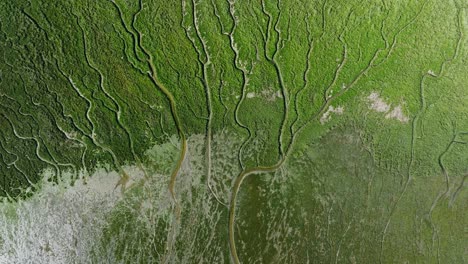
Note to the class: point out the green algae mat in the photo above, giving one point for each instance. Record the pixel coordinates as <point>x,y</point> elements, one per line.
<point>229,131</point>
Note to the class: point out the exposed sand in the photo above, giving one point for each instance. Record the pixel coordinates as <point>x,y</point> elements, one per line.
<point>331,110</point>
<point>378,104</point>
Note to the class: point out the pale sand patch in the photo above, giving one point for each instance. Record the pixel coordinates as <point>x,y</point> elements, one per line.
<point>327,115</point>
<point>269,94</point>
<point>397,113</point>
<point>379,105</point>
